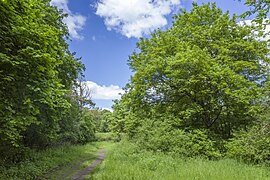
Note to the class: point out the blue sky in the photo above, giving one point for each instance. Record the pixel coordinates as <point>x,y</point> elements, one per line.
<point>104,33</point>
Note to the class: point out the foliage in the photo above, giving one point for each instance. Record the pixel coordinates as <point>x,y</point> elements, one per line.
<point>87,127</point>
<point>38,79</point>
<point>158,135</point>
<point>206,70</point>
<point>102,119</point>
<point>81,124</point>
<point>252,145</point>
<point>258,7</point>
<point>120,117</point>
<point>195,85</point>
<point>76,126</point>
<point>29,82</point>
<point>105,136</point>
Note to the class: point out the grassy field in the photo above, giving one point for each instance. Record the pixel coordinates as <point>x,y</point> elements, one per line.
<point>125,162</point>
<point>56,163</point>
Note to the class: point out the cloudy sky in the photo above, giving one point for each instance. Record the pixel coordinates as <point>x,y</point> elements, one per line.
<point>104,33</point>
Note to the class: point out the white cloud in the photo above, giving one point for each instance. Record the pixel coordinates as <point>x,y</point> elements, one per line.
<point>104,92</point>
<point>74,22</point>
<point>135,18</point>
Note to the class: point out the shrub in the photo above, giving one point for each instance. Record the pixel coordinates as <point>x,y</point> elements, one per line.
<point>105,136</point>
<point>161,136</point>
<point>252,145</point>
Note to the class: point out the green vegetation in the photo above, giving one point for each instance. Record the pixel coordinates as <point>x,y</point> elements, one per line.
<point>43,97</point>
<point>105,136</point>
<point>126,161</point>
<point>54,163</point>
<point>102,120</point>
<point>260,8</point>
<point>36,71</point>
<point>200,88</point>
<point>252,145</point>
<point>197,106</point>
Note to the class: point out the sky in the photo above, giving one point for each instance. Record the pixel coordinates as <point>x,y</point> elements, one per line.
<point>104,33</point>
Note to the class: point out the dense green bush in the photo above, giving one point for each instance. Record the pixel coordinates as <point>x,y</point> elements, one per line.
<point>253,144</point>
<point>105,136</point>
<point>159,135</point>
<point>77,127</point>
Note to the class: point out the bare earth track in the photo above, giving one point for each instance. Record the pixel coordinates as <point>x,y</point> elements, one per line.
<point>80,175</point>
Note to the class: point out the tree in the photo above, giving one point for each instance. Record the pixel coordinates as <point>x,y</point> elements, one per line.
<point>207,70</point>
<point>82,93</point>
<point>37,71</point>
<point>77,125</point>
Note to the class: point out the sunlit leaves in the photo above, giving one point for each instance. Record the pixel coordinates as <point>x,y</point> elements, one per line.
<point>37,70</point>
<point>206,69</point>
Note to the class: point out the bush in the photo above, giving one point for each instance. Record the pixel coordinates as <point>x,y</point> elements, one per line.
<point>161,136</point>
<point>252,145</point>
<point>105,136</point>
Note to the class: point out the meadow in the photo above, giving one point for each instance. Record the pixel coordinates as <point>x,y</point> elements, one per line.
<point>126,162</point>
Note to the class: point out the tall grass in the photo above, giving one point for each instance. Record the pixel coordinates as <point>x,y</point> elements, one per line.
<point>125,162</point>
<point>41,163</point>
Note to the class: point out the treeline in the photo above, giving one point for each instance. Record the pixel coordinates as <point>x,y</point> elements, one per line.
<point>42,96</point>
<point>200,88</point>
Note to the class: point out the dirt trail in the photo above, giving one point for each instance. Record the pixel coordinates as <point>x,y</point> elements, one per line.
<point>80,175</point>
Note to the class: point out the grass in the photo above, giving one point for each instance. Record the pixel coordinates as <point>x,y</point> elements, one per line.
<point>126,162</point>
<point>53,163</point>
<point>71,169</point>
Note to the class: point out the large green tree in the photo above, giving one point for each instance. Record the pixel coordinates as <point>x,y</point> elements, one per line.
<point>207,70</point>
<point>36,72</point>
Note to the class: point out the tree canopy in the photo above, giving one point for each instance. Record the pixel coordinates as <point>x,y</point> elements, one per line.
<point>207,71</point>
<point>38,75</point>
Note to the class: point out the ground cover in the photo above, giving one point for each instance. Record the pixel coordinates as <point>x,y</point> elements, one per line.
<point>125,162</point>
<point>62,162</point>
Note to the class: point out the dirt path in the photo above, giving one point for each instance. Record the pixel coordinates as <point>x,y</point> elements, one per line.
<point>80,175</point>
